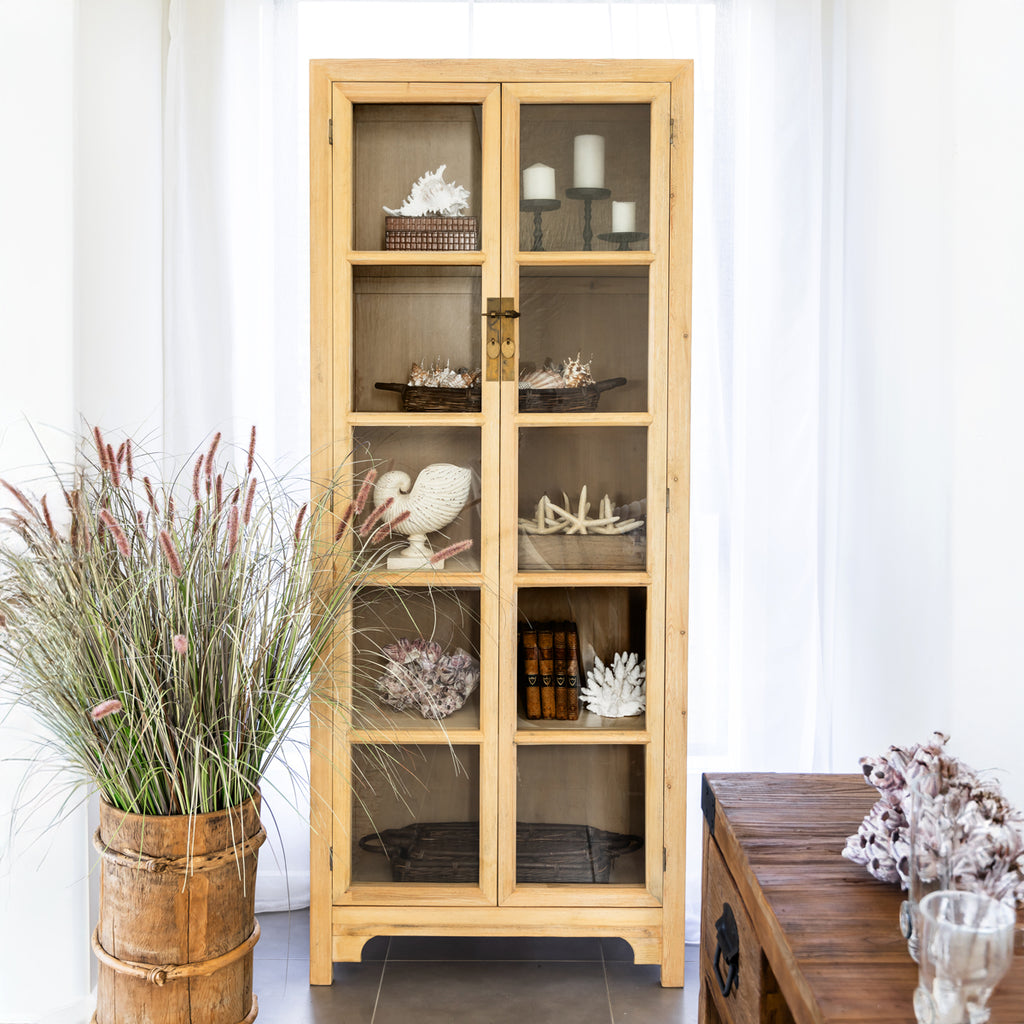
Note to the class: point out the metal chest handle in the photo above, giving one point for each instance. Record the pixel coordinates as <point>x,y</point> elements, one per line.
<point>729,947</point>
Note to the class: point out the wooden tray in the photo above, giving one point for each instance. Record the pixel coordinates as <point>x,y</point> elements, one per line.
<point>420,399</point>
<point>594,551</point>
<point>449,851</point>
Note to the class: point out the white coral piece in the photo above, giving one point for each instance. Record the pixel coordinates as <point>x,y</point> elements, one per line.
<point>432,194</point>
<point>420,676</point>
<point>617,690</point>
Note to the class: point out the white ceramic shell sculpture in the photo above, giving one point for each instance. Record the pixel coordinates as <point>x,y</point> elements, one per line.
<point>432,194</point>
<point>433,501</point>
<point>618,690</point>
<point>421,676</point>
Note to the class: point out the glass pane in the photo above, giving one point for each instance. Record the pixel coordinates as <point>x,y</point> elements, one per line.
<point>415,814</point>
<point>582,498</point>
<point>573,319</point>
<point>395,145</point>
<point>605,622</point>
<point>584,176</point>
<point>417,658</point>
<point>580,814</point>
<point>437,481</point>
<point>428,316</point>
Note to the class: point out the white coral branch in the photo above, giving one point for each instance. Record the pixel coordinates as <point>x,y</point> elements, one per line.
<point>617,690</point>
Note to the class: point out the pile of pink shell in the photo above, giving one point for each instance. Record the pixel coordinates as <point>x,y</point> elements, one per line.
<point>572,373</point>
<point>961,815</point>
<point>421,676</point>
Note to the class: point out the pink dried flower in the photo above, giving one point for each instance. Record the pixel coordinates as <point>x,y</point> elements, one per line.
<point>108,520</point>
<point>249,498</point>
<point>120,453</point>
<point>385,530</point>
<point>345,520</point>
<point>451,551</point>
<point>112,465</point>
<point>101,447</point>
<point>372,518</point>
<point>220,489</point>
<point>170,507</point>
<point>196,471</point>
<point>104,708</point>
<point>49,520</point>
<point>150,496</point>
<point>171,554</point>
<point>252,451</point>
<point>232,528</point>
<point>140,518</point>
<point>180,643</point>
<point>129,466</point>
<point>235,495</point>
<point>364,491</point>
<point>209,461</point>
<point>298,522</point>
<point>197,517</point>
<point>22,499</point>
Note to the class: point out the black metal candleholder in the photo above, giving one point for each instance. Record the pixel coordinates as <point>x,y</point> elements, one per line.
<point>588,195</point>
<point>624,238</point>
<point>537,207</point>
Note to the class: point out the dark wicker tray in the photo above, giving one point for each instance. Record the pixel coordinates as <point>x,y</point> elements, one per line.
<point>432,234</point>
<point>419,399</point>
<point>448,851</point>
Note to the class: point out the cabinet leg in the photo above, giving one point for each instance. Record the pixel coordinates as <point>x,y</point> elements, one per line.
<point>321,962</point>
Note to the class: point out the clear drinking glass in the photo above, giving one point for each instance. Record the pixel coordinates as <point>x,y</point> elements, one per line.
<point>966,947</point>
<point>933,840</point>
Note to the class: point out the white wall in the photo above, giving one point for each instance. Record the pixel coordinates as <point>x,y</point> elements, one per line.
<point>43,895</point>
<point>80,324</point>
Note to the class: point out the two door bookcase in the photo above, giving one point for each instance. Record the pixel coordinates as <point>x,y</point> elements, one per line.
<point>544,271</point>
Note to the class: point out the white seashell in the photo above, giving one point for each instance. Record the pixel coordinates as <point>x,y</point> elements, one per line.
<point>543,378</point>
<point>617,690</point>
<point>576,374</point>
<point>433,501</point>
<point>432,194</point>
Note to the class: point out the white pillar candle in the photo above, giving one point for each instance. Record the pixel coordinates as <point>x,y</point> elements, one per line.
<point>623,216</point>
<point>588,161</point>
<point>539,182</point>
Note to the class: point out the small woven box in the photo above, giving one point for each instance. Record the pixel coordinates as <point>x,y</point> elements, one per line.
<point>437,234</point>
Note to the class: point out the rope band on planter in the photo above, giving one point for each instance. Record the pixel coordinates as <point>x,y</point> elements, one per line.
<point>160,974</point>
<point>249,1017</point>
<point>181,865</point>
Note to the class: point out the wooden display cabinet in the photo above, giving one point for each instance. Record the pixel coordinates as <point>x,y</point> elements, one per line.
<point>621,301</point>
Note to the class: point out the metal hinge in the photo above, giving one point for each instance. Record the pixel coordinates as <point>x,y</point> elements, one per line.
<point>668,500</point>
<point>330,857</point>
<point>330,131</point>
<point>671,131</point>
<point>664,858</point>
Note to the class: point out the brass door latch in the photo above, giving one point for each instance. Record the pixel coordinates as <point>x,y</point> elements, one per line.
<point>501,339</point>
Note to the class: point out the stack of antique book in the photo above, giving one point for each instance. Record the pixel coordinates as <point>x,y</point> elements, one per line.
<point>550,670</point>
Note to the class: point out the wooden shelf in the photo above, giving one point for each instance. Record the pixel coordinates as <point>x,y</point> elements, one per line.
<point>416,258</point>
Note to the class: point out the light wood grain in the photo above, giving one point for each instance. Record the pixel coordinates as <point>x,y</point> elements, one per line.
<point>471,109</point>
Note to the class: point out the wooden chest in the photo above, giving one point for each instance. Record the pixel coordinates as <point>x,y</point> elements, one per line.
<point>808,937</point>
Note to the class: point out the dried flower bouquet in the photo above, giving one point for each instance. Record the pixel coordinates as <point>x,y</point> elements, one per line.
<point>164,632</point>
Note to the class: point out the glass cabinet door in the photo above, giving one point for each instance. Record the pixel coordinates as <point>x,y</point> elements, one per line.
<point>583,437</point>
<point>415,260</point>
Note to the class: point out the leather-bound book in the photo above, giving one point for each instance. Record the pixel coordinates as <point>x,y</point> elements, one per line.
<point>561,694</point>
<point>531,673</point>
<point>572,672</point>
<point>546,663</point>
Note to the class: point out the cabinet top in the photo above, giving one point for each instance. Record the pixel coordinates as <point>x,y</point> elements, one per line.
<point>500,70</point>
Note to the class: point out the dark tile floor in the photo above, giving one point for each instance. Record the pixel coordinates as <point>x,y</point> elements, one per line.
<point>465,981</point>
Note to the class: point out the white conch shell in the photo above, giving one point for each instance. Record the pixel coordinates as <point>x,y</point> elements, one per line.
<point>433,501</point>
<point>432,194</point>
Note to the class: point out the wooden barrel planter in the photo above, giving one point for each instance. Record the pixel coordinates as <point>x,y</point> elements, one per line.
<point>177,923</point>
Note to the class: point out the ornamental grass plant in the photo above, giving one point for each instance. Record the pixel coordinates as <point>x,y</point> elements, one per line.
<point>165,631</point>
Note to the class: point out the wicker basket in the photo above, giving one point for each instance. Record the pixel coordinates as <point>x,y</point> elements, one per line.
<point>448,851</point>
<point>433,234</point>
<point>420,399</point>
